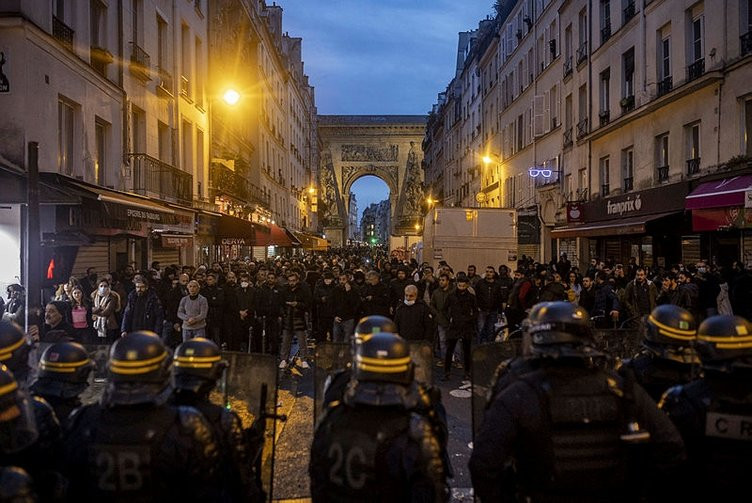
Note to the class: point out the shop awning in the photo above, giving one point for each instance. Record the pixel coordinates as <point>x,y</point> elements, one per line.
<point>624,226</point>
<point>235,231</point>
<point>274,235</point>
<point>13,190</point>
<point>720,193</point>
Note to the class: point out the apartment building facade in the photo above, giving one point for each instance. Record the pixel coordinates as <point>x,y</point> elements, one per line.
<point>616,119</point>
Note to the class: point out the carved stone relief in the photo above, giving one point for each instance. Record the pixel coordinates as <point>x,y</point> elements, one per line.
<point>373,153</point>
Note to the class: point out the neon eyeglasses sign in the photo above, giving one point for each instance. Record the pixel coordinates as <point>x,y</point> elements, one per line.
<point>536,171</point>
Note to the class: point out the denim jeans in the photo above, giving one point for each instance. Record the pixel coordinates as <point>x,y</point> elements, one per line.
<point>343,331</point>
<point>485,328</point>
<point>190,333</point>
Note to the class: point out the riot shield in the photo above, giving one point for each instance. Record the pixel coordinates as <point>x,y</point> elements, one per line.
<point>486,359</point>
<point>249,388</point>
<point>619,344</point>
<point>330,358</point>
<point>422,356</point>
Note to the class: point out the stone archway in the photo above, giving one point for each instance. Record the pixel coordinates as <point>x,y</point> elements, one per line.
<point>388,147</point>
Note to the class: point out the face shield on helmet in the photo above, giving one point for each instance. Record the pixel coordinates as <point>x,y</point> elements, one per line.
<point>557,329</point>
<point>139,370</point>
<point>198,365</point>
<point>64,370</point>
<point>670,332</point>
<point>18,429</point>
<point>383,357</point>
<point>724,343</point>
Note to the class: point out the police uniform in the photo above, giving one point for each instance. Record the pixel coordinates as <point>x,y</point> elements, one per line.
<point>197,367</point>
<point>573,430</point>
<point>131,446</point>
<point>714,413</point>
<point>667,358</point>
<point>369,446</point>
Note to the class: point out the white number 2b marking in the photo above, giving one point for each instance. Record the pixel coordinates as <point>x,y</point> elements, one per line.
<point>354,455</point>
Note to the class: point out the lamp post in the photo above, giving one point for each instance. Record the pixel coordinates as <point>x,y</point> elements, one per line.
<point>495,160</point>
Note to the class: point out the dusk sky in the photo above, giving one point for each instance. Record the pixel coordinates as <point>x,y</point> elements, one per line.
<point>379,56</point>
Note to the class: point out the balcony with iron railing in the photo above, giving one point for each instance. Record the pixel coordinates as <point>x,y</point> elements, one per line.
<point>604,116</point>
<point>605,32</point>
<point>605,189</point>
<point>665,86</point>
<point>627,104</point>
<point>155,178</point>
<point>693,166</point>
<point>568,137</point>
<point>223,180</point>
<point>746,43</point>
<point>663,173</point>
<point>140,62</point>
<point>582,128</point>
<point>628,183</point>
<point>629,11</point>
<point>582,53</point>
<point>568,67</point>
<point>696,69</point>
<point>62,32</point>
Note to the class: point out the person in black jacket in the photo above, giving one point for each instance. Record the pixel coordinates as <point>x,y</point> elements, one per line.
<point>413,317</point>
<point>488,296</point>
<point>269,311</point>
<point>462,312</point>
<point>397,287</point>
<point>178,289</point>
<point>346,305</point>
<point>215,296</point>
<point>323,300</point>
<point>245,300</point>
<point>143,311</point>
<point>375,295</point>
<point>297,304</point>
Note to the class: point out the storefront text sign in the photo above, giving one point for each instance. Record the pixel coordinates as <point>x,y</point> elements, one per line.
<point>662,199</point>
<point>233,241</point>
<point>628,206</point>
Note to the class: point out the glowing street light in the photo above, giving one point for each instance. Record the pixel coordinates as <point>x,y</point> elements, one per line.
<point>487,160</point>
<point>231,97</point>
<point>311,190</point>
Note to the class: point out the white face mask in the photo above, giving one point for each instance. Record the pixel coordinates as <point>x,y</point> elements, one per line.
<point>103,290</point>
<point>409,302</point>
<point>244,284</point>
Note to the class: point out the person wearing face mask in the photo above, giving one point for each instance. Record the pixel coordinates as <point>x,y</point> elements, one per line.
<point>56,326</point>
<point>103,313</point>
<point>413,317</point>
<point>143,311</point>
<point>245,296</point>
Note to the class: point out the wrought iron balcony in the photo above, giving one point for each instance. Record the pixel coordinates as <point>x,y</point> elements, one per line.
<point>693,166</point>
<point>605,32</point>
<point>140,62</point>
<point>696,69</point>
<point>62,32</point>
<point>582,53</point>
<point>223,180</point>
<point>663,173</point>
<point>746,43</point>
<point>582,128</point>
<point>568,137</point>
<point>604,117</point>
<point>629,11</point>
<point>627,104</point>
<point>665,85</point>
<point>152,177</point>
<point>165,81</point>
<point>185,87</point>
<point>605,189</point>
<point>628,183</point>
<point>568,66</point>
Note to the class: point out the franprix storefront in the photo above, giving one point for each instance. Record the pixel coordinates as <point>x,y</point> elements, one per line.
<point>649,225</point>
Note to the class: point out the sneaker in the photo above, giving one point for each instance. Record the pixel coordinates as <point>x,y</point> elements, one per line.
<point>283,364</point>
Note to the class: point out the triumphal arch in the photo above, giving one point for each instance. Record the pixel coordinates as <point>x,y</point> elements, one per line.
<point>386,146</point>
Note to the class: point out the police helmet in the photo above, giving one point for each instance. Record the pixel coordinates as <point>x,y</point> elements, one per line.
<point>383,357</point>
<point>197,364</point>
<point>724,341</point>
<point>553,324</point>
<point>16,485</point>
<point>14,350</point>
<point>373,325</point>
<point>17,424</point>
<point>139,357</point>
<point>670,325</point>
<point>63,370</point>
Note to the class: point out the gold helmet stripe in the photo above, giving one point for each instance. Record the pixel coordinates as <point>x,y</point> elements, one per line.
<point>383,370</point>
<point>191,365</point>
<point>133,371</point>
<point>62,365</point>
<point>385,362</point>
<point>7,352</point>
<point>677,331</point>
<point>138,363</point>
<point>8,388</point>
<point>197,359</point>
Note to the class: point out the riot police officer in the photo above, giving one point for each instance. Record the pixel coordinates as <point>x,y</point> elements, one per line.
<point>667,358</point>
<point>29,436</point>
<point>714,413</point>
<point>370,446</point>
<point>132,446</point>
<point>14,351</point>
<point>198,366</point>
<point>572,430</point>
<point>63,375</point>
<point>16,486</point>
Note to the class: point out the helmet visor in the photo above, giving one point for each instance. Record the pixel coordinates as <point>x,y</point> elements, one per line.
<point>18,428</point>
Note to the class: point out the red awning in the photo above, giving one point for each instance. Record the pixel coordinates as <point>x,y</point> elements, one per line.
<point>273,235</point>
<point>720,193</point>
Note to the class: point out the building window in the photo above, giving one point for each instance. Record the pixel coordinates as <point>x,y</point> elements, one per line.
<point>583,183</point>
<point>605,20</point>
<point>692,133</point>
<point>163,48</point>
<point>185,68</point>
<point>187,164</point>
<point>603,165</point>
<point>628,66</point>
<point>665,58</point>
<point>101,134</point>
<point>627,168</point>
<point>661,156</point>
<point>582,24</point>
<point>199,72</point>
<point>520,132</point>
<point>138,131</point>
<point>605,80</point>
<point>98,24</point>
<point>696,39</point>
<point>199,162</point>
<point>65,133</point>
<point>165,142</point>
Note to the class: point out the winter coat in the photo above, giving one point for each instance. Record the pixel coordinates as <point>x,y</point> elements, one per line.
<point>152,317</point>
<point>346,304</point>
<point>632,302</point>
<point>439,304</point>
<point>379,302</point>
<point>103,313</point>
<point>488,295</point>
<point>414,323</point>
<point>463,312</point>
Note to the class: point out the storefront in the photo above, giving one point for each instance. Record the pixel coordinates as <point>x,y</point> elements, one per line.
<point>528,233</point>
<point>722,219</point>
<point>647,225</point>
<point>234,238</point>
<point>309,242</point>
<point>275,239</point>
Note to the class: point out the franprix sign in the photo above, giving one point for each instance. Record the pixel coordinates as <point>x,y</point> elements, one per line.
<point>663,199</point>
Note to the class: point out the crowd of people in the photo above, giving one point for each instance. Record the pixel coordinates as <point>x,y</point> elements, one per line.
<point>559,422</point>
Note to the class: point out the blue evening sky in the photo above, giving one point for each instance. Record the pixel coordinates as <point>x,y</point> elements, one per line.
<point>379,56</point>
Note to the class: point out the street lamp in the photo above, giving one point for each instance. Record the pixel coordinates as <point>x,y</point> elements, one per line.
<point>231,97</point>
